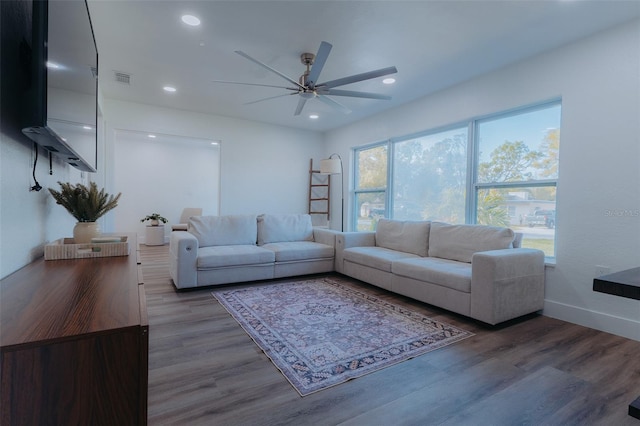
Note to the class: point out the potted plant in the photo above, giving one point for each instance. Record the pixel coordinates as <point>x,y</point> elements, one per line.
<point>155,219</point>
<point>87,204</point>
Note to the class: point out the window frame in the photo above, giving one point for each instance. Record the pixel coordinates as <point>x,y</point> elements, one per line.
<point>353,222</point>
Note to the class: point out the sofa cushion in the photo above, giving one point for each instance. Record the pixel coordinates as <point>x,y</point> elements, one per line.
<point>460,242</point>
<point>299,250</point>
<point>406,236</point>
<point>233,255</point>
<point>443,272</point>
<point>375,257</point>
<point>276,228</point>
<point>223,230</point>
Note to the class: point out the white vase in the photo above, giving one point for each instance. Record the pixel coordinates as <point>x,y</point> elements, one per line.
<point>83,232</point>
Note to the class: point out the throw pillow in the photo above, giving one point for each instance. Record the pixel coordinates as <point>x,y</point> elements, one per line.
<point>277,228</point>
<point>223,230</point>
<point>406,236</point>
<point>460,242</point>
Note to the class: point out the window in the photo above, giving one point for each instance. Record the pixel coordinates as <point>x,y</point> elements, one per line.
<point>371,187</point>
<point>430,177</point>
<point>500,170</point>
<point>517,172</point>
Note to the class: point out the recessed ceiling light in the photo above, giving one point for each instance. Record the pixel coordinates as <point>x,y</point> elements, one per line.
<point>87,127</point>
<point>389,80</point>
<point>214,143</point>
<point>191,20</point>
<point>152,136</point>
<point>169,89</point>
<point>52,65</point>
<point>313,116</point>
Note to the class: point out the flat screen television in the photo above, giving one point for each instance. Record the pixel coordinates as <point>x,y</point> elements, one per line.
<point>63,92</point>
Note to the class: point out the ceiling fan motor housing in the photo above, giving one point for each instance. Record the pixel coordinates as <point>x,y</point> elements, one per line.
<point>307,59</point>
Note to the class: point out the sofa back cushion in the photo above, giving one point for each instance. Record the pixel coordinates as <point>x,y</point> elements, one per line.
<point>403,235</point>
<point>279,228</point>
<point>224,230</point>
<point>460,242</point>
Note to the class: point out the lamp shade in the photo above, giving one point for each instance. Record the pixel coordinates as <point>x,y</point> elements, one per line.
<point>331,166</point>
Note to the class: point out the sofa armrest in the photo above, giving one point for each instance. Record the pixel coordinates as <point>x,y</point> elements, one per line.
<point>183,255</point>
<point>506,284</point>
<point>345,240</point>
<point>325,236</point>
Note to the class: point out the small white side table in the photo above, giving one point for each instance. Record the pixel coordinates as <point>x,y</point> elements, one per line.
<point>154,236</point>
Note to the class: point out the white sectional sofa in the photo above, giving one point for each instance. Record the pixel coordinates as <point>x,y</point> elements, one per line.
<point>237,248</point>
<point>477,271</point>
<point>473,270</point>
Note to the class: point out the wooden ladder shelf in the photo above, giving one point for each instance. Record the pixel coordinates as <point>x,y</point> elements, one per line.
<point>319,192</point>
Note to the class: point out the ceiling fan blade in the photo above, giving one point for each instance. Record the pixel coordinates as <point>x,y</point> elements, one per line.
<point>270,97</point>
<point>357,77</point>
<point>289,79</point>
<point>333,104</point>
<point>368,95</point>
<point>318,63</point>
<point>301,103</point>
<point>254,84</point>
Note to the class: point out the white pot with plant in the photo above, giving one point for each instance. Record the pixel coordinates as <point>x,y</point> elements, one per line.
<point>87,204</point>
<point>154,219</point>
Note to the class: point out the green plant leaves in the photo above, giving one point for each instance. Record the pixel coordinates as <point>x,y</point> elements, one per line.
<point>86,204</point>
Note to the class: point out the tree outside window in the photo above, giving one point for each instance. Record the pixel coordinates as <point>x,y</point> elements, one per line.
<point>430,177</point>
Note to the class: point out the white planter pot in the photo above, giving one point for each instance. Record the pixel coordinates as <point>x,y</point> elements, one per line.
<point>83,232</point>
<point>154,236</point>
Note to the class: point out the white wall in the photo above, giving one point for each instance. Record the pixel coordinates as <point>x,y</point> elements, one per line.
<point>599,81</point>
<point>263,168</point>
<point>175,172</point>
<point>29,219</point>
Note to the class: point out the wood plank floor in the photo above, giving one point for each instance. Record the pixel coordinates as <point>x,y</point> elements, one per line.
<point>205,370</point>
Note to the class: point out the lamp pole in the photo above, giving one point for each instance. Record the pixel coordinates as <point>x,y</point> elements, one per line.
<point>341,199</point>
<point>341,191</point>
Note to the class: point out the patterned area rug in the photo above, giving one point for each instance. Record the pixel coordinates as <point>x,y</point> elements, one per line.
<point>320,333</point>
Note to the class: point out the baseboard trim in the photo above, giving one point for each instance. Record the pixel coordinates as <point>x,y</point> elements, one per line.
<point>624,327</point>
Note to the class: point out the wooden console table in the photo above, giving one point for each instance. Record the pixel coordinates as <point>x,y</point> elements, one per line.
<point>623,284</point>
<point>74,340</point>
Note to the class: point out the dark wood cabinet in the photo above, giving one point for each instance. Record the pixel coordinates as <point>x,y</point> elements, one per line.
<point>74,340</point>
<point>624,284</point>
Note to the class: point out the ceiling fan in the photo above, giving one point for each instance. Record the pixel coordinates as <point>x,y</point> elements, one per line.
<point>307,87</point>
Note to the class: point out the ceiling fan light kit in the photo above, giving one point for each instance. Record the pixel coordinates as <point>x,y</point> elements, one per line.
<point>306,86</point>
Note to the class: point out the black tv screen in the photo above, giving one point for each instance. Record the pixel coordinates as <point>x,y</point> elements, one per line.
<point>64,85</point>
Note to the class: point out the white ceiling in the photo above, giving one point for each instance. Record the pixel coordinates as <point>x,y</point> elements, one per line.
<point>433,44</point>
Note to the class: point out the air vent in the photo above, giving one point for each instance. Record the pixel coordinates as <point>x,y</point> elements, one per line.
<point>122,77</point>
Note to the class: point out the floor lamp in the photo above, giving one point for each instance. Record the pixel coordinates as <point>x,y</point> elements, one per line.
<point>333,166</point>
